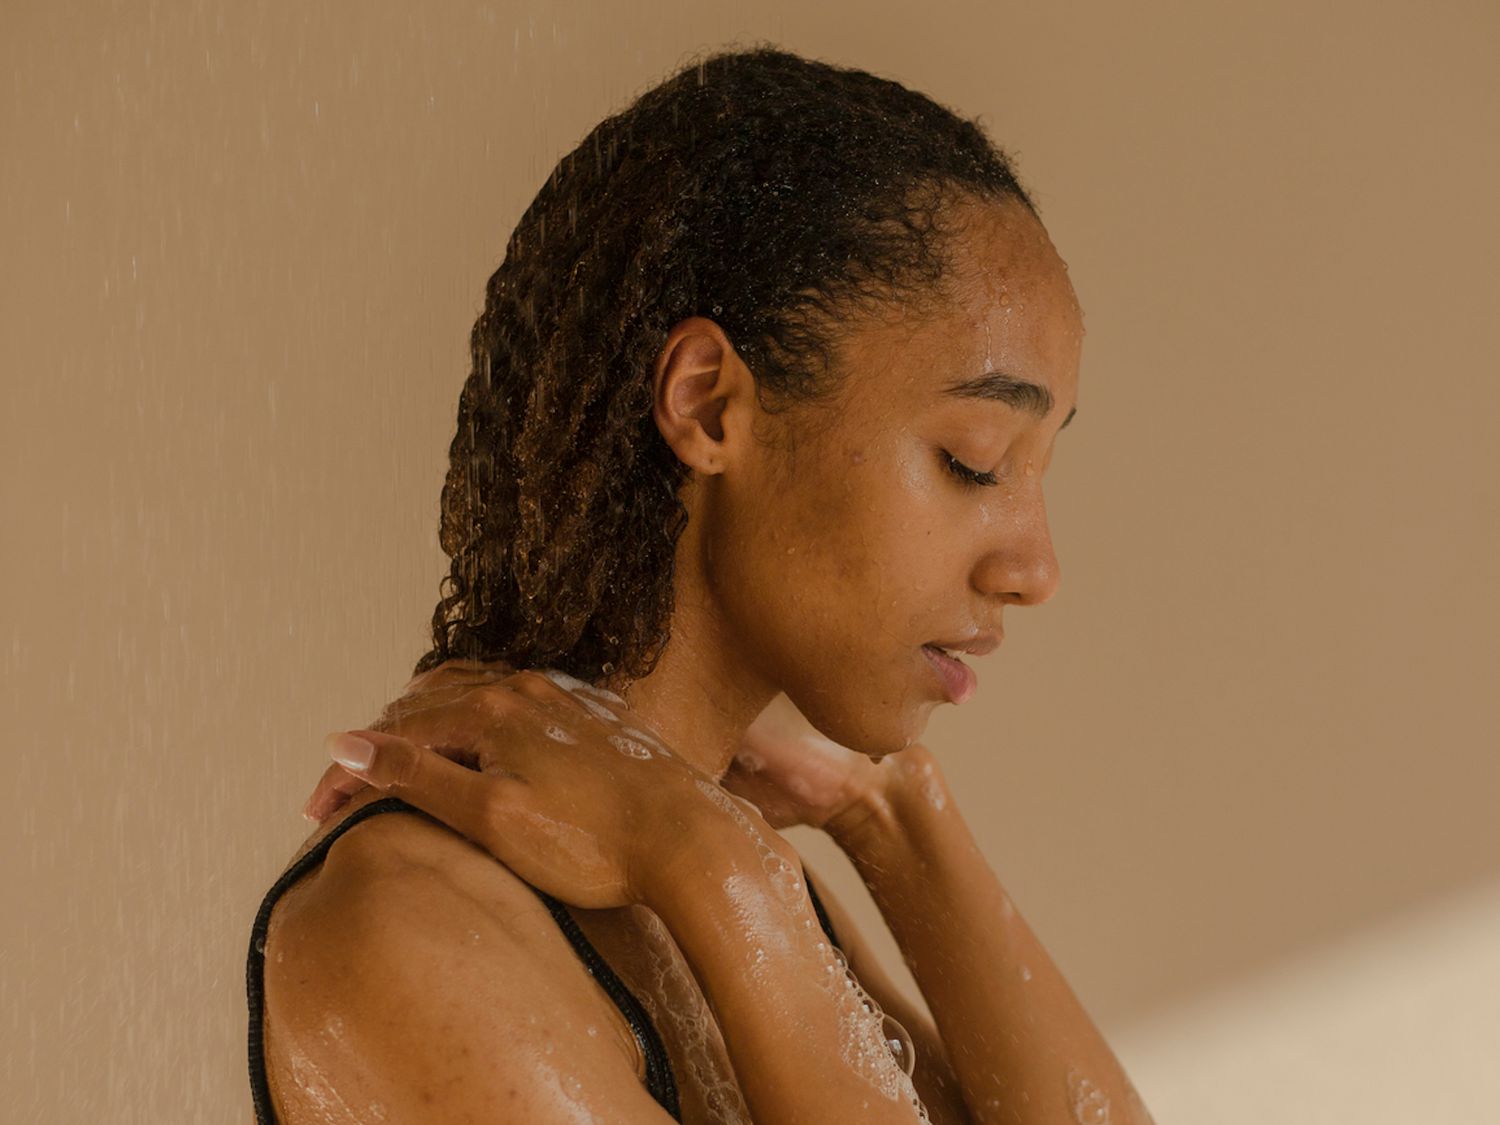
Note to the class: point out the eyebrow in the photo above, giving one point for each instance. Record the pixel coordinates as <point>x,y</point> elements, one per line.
<point>997,386</point>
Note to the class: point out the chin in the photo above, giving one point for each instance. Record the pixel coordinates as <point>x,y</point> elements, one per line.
<point>869,736</point>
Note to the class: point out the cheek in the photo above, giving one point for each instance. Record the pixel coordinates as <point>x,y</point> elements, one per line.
<point>880,539</point>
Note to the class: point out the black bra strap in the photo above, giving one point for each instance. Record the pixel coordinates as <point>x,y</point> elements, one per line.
<point>255,963</point>
<point>659,1078</point>
<point>821,913</point>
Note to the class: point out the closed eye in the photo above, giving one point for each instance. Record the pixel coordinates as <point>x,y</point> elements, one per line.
<point>971,478</point>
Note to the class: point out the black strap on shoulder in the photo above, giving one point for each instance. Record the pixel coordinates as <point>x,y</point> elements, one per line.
<point>255,963</point>
<point>660,1081</point>
<point>659,1078</point>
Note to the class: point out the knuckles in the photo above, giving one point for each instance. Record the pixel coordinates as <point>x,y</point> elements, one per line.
<point>406,772</point>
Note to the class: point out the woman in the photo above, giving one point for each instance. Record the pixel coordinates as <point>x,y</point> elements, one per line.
<point>761,401</point>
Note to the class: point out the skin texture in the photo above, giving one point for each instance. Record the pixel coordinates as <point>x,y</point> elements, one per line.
<point>824,548</point>
<point>819,557</point>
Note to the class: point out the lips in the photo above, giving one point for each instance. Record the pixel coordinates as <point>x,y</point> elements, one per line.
<point>976,644</point>
<point>958,679</point>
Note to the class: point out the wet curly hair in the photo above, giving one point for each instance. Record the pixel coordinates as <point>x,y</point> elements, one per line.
<point>774,194</point>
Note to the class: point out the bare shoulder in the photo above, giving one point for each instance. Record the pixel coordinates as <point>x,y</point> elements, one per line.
<point>412,977</point>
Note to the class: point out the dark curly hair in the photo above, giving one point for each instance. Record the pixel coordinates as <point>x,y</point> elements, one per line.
<point>774,194</point>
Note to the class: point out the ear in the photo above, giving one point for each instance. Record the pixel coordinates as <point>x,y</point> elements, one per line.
<point>703,395</point>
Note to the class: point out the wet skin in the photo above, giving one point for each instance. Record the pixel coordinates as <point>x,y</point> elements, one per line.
<point>824,548</point>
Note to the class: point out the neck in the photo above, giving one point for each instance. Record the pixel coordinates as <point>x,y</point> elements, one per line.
<point>695,701</point>
<point>700,697</point>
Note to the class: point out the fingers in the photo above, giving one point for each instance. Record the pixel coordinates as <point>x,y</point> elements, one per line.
<point>331,793</point>
<point>476,804</point>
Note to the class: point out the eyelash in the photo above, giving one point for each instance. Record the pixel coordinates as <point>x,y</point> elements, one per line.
<point>968,476</point>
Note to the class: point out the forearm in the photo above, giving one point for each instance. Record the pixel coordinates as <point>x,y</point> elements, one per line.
<point>1022,1046</point>
<point>745,925</point>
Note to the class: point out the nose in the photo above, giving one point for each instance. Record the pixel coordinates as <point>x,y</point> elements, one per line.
<point>1020,565</point>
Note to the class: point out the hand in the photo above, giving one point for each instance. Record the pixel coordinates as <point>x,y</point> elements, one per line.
<point>570,790</point>
<point>794,774</point>
<point>450,680</point>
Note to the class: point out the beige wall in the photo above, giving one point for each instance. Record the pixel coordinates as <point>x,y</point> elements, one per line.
<point>243,244</point>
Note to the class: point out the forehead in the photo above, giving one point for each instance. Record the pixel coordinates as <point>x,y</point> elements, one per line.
<point>1007,305</point>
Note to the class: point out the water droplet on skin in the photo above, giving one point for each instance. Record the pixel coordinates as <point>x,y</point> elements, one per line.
<point>1090,1105</point>
<point>562,679</point>
<point>630,747</point>
<point>1025,973</point>
<point>599,693</point>
<point>646,737</point>
<point>899,1041</point>
<point>556,732</point>
<point>932,790</point>
<point>597,709</point>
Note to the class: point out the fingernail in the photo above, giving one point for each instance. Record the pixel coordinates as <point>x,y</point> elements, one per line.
<point>350,751</point>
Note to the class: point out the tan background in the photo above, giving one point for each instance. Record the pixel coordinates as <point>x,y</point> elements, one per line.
<point>1240,774</point>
